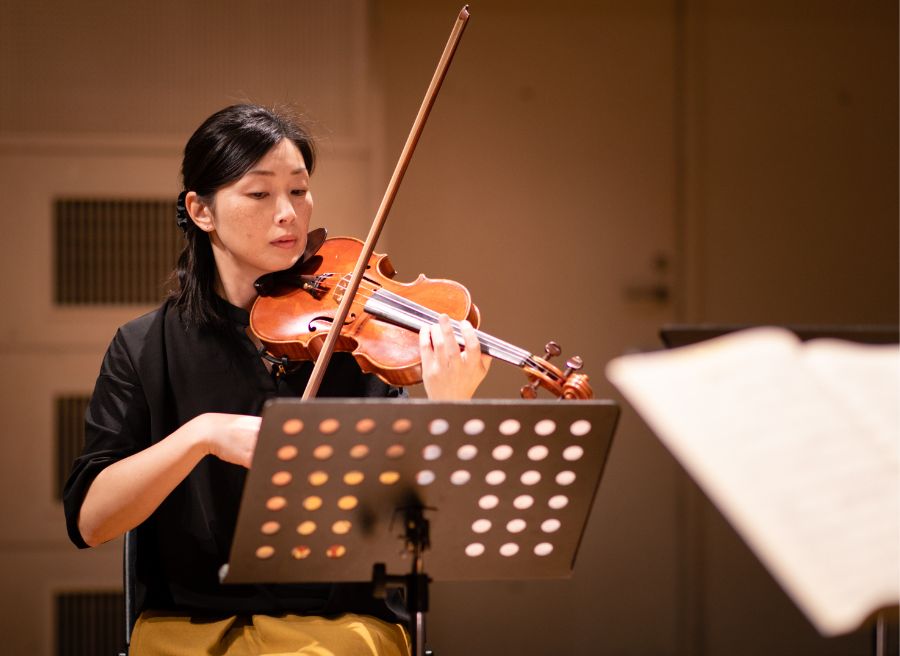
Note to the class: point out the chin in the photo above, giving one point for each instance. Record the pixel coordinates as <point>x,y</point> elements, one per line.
<point>285,262</point>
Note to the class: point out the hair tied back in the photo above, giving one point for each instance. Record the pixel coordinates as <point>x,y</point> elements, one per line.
<point>181,215</point>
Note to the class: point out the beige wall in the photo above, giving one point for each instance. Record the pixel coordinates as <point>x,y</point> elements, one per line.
<point>750,145</point>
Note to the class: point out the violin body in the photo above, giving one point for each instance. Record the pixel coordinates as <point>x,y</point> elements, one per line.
<point>294,318</point>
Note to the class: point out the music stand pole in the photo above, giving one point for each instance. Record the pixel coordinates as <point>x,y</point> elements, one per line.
<point>415,584</point>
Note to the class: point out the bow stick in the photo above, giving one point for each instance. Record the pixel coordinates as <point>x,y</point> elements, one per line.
<point>324,357</point>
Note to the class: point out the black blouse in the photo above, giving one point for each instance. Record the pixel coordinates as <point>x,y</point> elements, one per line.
<point>159,373</point>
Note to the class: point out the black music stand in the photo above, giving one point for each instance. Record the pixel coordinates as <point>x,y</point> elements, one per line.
<point>351,489</point>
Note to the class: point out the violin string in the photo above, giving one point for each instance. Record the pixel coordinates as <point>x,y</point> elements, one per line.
<point>431,317</point>
<point>420,314</point>
<point>423,315</point>
<point>428,316</point>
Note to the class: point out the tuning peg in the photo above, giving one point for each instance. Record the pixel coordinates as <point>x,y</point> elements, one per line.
<point>551,349</point>
<point>575,363</point>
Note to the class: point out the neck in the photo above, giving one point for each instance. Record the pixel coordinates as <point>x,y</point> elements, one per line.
<point>235,294</point>
<point>232,284</point>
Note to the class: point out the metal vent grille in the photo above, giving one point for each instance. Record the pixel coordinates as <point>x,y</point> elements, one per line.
<point>69,416</point>
<point>114,251</point>
<point>90,623</point>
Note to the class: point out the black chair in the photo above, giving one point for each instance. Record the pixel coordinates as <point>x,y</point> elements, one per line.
<point>129,583</point>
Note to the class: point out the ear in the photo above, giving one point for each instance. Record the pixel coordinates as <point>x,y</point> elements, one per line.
<point>199,211</point>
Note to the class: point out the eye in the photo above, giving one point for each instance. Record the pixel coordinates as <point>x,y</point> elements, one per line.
<point>299,192</point>
<point>258,195</point>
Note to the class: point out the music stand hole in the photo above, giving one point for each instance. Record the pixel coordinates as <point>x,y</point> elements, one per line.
<point>495,477</point>
<point>307,527</point>
<point>270,528</point>
<point>282,478</point>
<point>543,549</point>
<point>545,427</point>
<point>538,452</point>
<point>292,427</point>
<point>365,426</point>
<point>509,549</point>
<point>300,552</point>
<point>265,551</point>
<point>425,477</point>
<point>388,477</point>
<point>317,478</point>
<point>467,452</point>
<point>276,503</point>
<point>323,452</point>
<point>565,477</point>
<point>336,551</point>
<point>580,427</point>
<point>488,502</point>
<point>474,550</point>
<point>431,452</point>
<point>523,502</point>
<point>287,452</point>
<point>460,477</point>
<point>473,427</point>
<point>573,453</point>
<point>509,427</point>
<point>516,525</point>
<point>353,477</point>
<point>558,501</point>
<point>531,477</point>
<point>438,426</point>
<point>481,525</point>
<point>359,451</point>
<point>312,503</point>
<point>329,426</point>
<point>401,426</point>
<point>502,452</point>
<point>550,525</point>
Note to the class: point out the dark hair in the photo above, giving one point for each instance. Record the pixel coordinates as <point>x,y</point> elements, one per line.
<point>227,145</point>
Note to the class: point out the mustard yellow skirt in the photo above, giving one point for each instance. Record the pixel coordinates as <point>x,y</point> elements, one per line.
<point>159,634</point>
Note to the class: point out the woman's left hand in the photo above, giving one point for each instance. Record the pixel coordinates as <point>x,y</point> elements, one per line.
<point>451,374</point>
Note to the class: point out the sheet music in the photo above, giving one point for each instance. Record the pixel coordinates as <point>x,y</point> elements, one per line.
<point>799,447</point>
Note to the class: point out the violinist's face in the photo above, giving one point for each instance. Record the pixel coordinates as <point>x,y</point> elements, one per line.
<point>258,223</point>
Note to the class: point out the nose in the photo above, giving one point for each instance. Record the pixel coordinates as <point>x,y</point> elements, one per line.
<point>284,211</point>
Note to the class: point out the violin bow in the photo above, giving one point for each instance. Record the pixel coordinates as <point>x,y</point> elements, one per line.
<point>324,357</point>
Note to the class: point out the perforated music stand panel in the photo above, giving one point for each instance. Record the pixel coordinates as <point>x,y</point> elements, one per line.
<point>507,487</point>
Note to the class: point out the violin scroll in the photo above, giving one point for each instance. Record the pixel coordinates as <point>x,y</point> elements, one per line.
<point>568,384</point>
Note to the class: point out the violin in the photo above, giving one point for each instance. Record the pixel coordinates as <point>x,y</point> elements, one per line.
<point>297,307</point>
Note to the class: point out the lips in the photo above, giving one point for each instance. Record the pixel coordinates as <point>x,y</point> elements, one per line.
<point>284,242</point>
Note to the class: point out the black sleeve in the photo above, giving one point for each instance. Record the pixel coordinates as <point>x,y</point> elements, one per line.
<point>116,426</point>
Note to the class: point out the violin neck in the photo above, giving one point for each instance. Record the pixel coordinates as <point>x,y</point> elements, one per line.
<point>392,307</point>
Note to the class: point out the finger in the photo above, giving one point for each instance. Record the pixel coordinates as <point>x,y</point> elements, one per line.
<point>426,350</point>
<point>447,329</point>
<point>451,346</point>
<point>473,346</point>
<point>439,344</point>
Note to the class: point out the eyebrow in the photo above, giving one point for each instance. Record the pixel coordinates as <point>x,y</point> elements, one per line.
<point>296,171</point>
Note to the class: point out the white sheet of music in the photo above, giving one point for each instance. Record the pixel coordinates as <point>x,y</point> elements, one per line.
<point>799,447</point>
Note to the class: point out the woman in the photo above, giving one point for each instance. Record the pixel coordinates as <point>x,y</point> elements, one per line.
<point>173,420</point>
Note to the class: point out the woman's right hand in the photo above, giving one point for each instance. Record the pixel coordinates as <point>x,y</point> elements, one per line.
<point>231,438</point>
<point>128,491</point>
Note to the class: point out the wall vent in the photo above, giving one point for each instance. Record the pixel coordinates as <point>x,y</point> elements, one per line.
<point>69,425</point>
<point>90,623</point>
<point>114,251</point>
